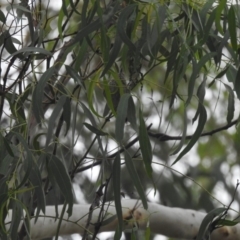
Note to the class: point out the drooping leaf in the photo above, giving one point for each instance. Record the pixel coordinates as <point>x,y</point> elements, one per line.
<point>36,181</point>
<point>67,114</point>
<point>231,103</point>
<point>145,145</point>
<point>54,116</point>
<point>172,57</point>
<point>116,173</point>
<point>201,123</point>
<point>232,27</point>
<point>200,94</point>
<point>195,72</point>
<point>38,94</point>
<point>203,230</point>
<point>237,83</point>
<point>231,74</point>
<point>2,17</point>
<point>94,124</point>
<point>28,160</point>
<point>112,94</point>
<point>31,50</point>
<point>135,178</point>
<point>63,180</point>
<point>131,114</point>
<point>113,54</point>
<point>182,141</point>
<point>8,44</point>
<point>91,94</point>
<point>95,130</point>
<point>221,5</point>
<point>122,23</point>
<point>17,214</point>
<point>74,74</point>
<point>121,116</point>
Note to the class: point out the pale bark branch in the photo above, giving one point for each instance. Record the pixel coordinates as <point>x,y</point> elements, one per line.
<point>171,222</point>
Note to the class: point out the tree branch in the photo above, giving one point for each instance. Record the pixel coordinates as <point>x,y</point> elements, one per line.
<point>163,137</point>
<point>171,222</point>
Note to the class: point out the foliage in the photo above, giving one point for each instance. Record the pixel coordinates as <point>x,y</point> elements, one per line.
<point>121,88</point>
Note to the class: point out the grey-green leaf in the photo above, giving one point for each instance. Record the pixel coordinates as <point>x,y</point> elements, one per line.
<point>207,220</point>
<point>95,130</point>
<point>135,178</point>
<point>231,103</point>
<point>145,145</point>
<point>38,94</point>
<point>121,116</point>
<point>52,120</point>
<point>201,123</point>
<point>131,114</point>
<point>63,180</point>
<point>117,194</point>
<point>122,23</point>
<point>73,73</point>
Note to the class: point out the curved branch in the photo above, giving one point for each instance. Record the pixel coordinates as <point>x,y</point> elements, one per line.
<point>163,137</point>
<point>159,136</point>
<point>171,222</point>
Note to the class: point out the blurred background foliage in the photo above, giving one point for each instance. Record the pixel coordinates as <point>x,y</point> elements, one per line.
<point>84,81</point>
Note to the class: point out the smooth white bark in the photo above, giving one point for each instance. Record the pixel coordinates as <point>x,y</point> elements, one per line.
<point>171,222</point>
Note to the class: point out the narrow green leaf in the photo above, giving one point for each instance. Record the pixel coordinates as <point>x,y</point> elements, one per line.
<point>172,57</point>
<point>2,17</point>
<point>201,94</point>
<point>231,104</point>
<point>232,27</point>
<point>201,123</point>
<point>54,116</point>
<point>63,180</point>
<point>95,130</point>
<point>225,222</point>
<point>145,145</point>
<point>237,83</point>
<point>206,8</point>
<point>94,124</point>
<point>195,72</point>
<point>131,114</point>
<point>147,233</point>
<point>94,25</point>
<point>89,115</point>
<point>185,123</point>
<point>231,74</point>
<point>207,220</point>
<point>113,54</point>
<point>31,49</point>
<point>65,4</point>
<point>59,24</point>
<point>38,94</point>
<point>5,144</point>
<point>67,111</point>
<point>135,178</point>
<point>112,94</point>
<point>121,116</point>
<point>80,55</point>
<point>17,214</point>
<point>116,173</point>
<point>122,23</point>
<point>8,44</point>
<point>91,96</point>
<point>222,4</point>
<point>74,74</point>
<point>5,163</point>
<point>36,180</point>
<point>28,161</point>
